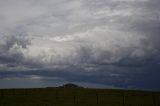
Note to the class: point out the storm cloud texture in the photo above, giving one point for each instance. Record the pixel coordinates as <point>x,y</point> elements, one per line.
<point>100,43</point>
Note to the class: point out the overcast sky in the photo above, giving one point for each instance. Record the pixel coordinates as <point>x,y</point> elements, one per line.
<point>94,43</point>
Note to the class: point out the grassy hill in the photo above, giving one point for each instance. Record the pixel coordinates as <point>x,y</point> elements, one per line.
<point>77,97</point>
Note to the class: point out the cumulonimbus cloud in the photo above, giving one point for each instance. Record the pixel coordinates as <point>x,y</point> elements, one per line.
<point>106,40</point>
<point>86,35</point>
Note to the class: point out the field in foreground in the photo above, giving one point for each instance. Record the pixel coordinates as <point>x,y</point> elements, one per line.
<point>77,97</point>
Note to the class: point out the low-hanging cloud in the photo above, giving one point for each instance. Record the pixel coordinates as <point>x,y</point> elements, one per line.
<point>81,37</point>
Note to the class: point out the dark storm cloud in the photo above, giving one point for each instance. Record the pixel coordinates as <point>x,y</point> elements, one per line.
<point>102,77</point>
<point>109,42</point>
<point>10,49</point>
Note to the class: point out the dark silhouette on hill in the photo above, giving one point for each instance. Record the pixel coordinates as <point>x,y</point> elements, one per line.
<point>70,85</point>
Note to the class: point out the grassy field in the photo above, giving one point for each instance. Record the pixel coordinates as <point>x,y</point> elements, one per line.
<point>77,97</point>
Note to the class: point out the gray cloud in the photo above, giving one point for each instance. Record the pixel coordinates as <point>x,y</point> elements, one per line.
<point>88,39</point>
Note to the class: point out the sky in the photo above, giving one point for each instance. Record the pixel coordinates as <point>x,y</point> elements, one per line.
<point>92,43</point>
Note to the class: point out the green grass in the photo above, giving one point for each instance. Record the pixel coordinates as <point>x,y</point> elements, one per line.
<point>77,97</point>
